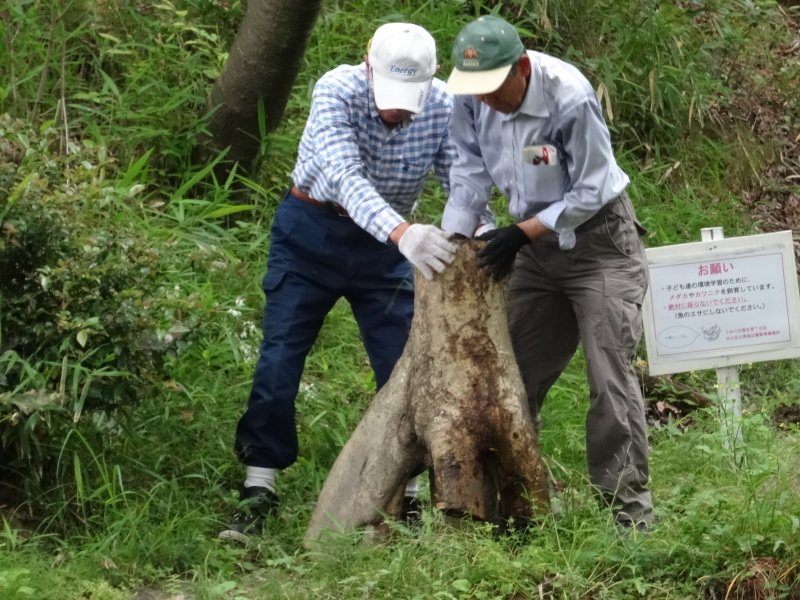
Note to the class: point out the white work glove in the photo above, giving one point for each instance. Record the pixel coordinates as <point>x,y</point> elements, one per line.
<point>428,248</point>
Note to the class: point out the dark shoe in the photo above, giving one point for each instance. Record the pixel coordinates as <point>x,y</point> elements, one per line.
<point>628,527</point>
<point>411,512</point>
<point>255,504</point>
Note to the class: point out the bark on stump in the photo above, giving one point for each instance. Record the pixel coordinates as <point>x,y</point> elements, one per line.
<point>455,403</point>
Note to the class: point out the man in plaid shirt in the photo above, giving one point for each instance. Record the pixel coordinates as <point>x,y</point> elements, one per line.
<point>375,132</point>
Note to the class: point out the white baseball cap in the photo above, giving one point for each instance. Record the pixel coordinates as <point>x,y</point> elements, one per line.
<point>402,58</point>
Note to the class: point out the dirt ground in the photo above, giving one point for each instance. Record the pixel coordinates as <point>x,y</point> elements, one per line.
<point>775,197</point>
<point>772,114</point>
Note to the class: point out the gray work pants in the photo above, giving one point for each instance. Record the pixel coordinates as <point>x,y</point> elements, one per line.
<point>592,295</point>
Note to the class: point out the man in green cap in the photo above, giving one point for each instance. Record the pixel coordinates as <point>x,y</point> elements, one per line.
<point>530,125</point>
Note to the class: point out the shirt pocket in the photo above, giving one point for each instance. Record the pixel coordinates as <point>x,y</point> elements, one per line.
<point>411,170</point>
<point>543,182</point>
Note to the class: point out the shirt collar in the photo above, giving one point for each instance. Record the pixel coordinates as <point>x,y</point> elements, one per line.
<point>533,104</point>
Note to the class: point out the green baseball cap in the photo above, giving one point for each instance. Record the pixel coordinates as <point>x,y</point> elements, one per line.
<point>484,52</point>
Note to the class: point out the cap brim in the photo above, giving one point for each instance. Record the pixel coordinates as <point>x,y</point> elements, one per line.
<point>463,83</point>
<point>391,94</point>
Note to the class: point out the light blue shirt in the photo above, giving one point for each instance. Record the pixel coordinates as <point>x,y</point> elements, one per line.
<point>560,109</point>
<point>347,154</point>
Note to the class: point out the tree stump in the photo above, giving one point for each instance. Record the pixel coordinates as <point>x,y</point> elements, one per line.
<point>455,403</point>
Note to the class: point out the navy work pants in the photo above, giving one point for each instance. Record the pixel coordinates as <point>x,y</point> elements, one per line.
<point>317,256</point>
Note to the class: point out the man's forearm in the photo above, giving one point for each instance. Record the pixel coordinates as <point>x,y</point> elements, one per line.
<point>533,228</point>
<point>398,232</point>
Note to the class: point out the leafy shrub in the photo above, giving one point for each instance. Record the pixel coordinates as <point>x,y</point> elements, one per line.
<point>101,256</point>
<point>95,290</point>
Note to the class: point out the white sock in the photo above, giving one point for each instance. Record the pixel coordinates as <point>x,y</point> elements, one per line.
<point>412,487</point>
<point>260,477</point>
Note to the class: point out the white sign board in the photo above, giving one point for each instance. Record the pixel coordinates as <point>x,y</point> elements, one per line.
<point>721,303</point>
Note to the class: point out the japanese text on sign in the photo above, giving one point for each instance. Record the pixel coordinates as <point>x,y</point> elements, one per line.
<point>722,302</point>
<point>706,305</point>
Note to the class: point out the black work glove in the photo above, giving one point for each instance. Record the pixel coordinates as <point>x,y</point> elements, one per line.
<point>498,255</point>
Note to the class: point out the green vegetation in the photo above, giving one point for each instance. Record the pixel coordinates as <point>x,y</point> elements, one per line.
<point>130,306</point>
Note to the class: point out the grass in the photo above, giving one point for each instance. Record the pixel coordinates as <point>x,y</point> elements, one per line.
<point>137,299</point>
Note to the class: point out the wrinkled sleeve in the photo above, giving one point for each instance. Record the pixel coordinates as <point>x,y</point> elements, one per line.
<point>470,183</point>
<point>443,162</point>
<point>587,143</point>
<point>336,143</point>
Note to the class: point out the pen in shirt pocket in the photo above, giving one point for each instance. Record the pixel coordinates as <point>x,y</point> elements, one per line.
<point>537,155</point>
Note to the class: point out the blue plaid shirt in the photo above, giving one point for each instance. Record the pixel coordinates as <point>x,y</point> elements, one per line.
<point>347,154</point>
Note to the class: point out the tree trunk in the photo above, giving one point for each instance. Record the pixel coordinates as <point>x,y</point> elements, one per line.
<point>455,403</point>
<point>263,63</point>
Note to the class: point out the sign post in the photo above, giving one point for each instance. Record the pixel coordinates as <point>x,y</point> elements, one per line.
<point>729,391</point>
<point>721,303</point>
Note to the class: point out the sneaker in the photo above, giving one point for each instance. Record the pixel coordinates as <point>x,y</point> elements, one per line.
<point>411,512</point>
<point>256,503</point>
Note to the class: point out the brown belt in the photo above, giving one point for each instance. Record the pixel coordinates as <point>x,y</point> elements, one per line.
<point>298,193</point>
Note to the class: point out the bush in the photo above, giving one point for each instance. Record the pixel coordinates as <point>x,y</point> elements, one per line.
<point>97,289</point>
